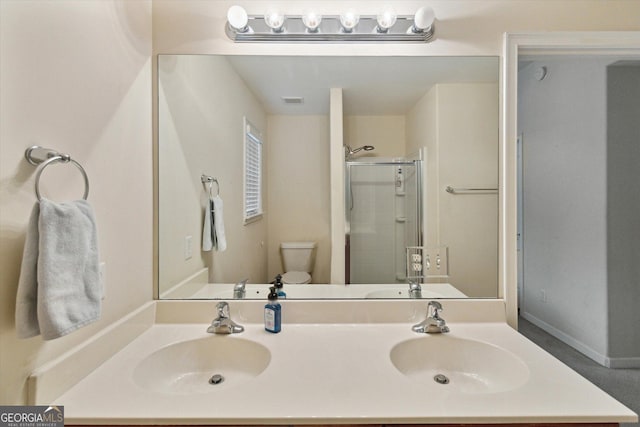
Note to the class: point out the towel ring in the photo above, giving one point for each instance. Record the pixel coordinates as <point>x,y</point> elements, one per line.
<point>206,179</point>
<point>63,158</point>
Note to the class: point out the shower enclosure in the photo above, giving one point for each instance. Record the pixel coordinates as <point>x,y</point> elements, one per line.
<point>383,216</point>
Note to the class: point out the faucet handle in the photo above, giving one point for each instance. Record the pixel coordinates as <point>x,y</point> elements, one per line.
<point>223,309</point>
<point>241,284</point>
<point>433,324</point>
<point>436,305</point>
<point>433,309</point>
<point>223,323</point>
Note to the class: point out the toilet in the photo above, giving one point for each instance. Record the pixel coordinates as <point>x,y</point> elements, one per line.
<point>297,259</point>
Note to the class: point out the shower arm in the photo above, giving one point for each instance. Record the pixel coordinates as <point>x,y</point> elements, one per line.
<point>348,151</point>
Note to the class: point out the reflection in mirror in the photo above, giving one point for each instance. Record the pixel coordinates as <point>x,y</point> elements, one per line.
<point>412,126</point>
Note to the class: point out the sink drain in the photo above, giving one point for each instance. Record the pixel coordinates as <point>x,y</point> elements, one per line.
<point>216,379</point>
<point>441,379</point>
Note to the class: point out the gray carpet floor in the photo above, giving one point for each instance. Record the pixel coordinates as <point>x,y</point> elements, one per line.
<point>622,384</point>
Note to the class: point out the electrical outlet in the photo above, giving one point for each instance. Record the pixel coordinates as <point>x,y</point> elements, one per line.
<point>102,277</point>
<point>188,247</point>
<point>414,266</point>
<point>543,296</point>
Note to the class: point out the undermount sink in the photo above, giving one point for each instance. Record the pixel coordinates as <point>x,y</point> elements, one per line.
<point>469,366</point>
<point>203,365</point>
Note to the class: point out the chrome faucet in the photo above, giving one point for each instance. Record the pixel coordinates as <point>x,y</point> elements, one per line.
<point>415,290</point>
<point>240,289</point>
<point>433,324</point>
<point>223,323</point>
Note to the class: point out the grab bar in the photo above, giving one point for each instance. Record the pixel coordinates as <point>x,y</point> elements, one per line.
<point>458,190</point>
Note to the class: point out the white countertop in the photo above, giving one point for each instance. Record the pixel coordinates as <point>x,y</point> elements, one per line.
<point>337,373</point>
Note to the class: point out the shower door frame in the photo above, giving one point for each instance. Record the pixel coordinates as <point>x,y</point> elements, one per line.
<point>418,164</point>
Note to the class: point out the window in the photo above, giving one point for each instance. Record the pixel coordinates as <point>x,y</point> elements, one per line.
<point>252,173</point>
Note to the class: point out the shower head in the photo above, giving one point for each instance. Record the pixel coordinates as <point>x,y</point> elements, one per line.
<point>349,151</point>
<point>364,147</point>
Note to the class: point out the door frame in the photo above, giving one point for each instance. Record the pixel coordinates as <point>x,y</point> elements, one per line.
<point>515,44</point>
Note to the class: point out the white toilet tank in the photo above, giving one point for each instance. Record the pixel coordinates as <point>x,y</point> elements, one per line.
<point>298,256</point>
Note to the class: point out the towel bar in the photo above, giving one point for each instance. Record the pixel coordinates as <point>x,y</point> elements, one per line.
<point>453,190</point>
<point>43,157</point>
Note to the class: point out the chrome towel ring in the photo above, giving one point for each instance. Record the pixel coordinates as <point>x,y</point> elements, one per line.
<point>206,179</point>
<point>43,157</point>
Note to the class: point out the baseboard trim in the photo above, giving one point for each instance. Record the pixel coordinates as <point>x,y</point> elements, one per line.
<point>567,339</point>
<point>624,362</point>
<point>609,362</point>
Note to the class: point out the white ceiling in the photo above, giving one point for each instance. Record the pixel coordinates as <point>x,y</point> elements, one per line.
<point>372,85</point>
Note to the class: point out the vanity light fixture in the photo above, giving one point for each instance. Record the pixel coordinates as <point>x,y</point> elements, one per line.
<point>348,26</point>
<point>423,21</point>
<point>275,20</point>
<point>238,19</point>
<point>311,21</point>
<point>386,19</point>
<point>349,20</point>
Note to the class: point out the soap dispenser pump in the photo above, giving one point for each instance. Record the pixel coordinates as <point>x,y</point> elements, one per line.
<point>277,283</point>
<point>273,312</point>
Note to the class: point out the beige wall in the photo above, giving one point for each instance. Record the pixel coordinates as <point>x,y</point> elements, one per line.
<point>337,168</point>
<point>468,157</point>
<point>458,125</point>
<point>422,131</point>
<point>386,133</point>
<point>76,77</point>
<point>298,185</point>
<point>202,102</point>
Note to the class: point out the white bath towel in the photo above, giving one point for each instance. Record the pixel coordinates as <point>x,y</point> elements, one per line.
<point>59,289</point>
<point>207,227</point>
<point>220,240</point>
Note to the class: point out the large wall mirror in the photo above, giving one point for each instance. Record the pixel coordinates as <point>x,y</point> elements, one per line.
<point>244,181</point>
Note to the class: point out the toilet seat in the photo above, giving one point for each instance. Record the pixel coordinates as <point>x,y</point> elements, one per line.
<point>296,277</point>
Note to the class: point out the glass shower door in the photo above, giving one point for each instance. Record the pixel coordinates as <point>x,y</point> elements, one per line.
<point>383,218</point>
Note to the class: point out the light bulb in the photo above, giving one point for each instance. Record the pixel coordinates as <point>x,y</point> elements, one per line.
<point>312,21</point>
<point>275,20</point>
<point>349,19</point>
<point>386,19</point>
<point>423,20</point>
<point>238,18</point>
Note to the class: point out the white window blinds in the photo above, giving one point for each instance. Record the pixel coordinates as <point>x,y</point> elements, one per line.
<point>252,173</point>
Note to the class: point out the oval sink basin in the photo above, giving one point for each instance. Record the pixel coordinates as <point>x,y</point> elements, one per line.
<point>204,365</point>
<point>468,366</point>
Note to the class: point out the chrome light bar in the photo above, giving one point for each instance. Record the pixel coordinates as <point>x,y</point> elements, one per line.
<point>254,28</point>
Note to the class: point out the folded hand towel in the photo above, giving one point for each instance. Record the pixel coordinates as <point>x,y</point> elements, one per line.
<point>59,289</point>
<point>218,221</point>
<point>207,228</point>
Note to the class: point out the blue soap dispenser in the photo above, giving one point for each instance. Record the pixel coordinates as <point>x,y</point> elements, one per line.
<point>273,312</point>
<point>279,287</point>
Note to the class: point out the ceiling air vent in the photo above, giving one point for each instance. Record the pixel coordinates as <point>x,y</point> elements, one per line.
<point>293,100</point>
